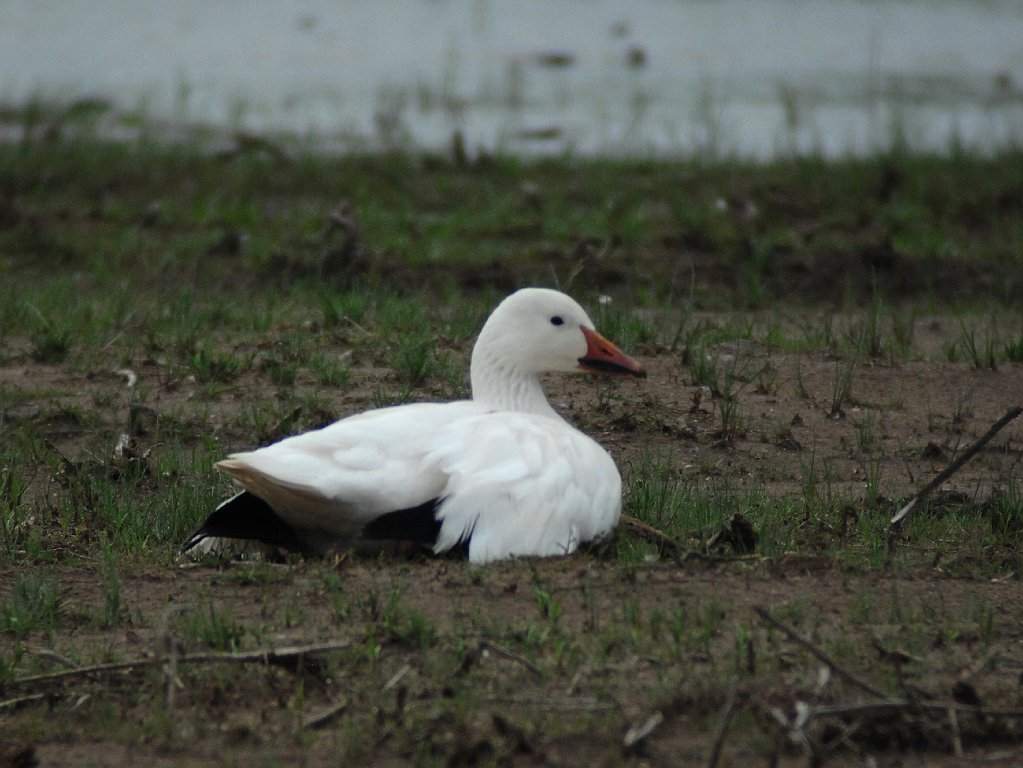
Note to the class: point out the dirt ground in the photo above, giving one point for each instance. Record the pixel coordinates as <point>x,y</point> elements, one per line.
<point>500,677</point>
<point>253,713</point>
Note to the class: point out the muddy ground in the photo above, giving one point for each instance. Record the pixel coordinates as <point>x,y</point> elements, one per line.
<point>802,632</point>
<point>585,661</point>
<point>524,707</point>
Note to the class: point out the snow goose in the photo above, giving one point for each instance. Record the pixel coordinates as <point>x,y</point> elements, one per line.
<point>499,476</point>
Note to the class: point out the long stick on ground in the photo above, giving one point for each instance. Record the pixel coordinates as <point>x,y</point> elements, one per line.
<point>726,719</point>
<point>17,701</point>
<point>952,468</point>
<point>264,656</point>
<point>821,656</point>
<point>886,707</point>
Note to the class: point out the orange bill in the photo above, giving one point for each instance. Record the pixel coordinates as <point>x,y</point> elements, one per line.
<point>604,357</point>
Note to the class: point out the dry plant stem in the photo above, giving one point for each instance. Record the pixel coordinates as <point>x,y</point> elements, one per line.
<point>679,553</point>
<point>46,653</point>
<point>652,534</point>
<point>171,653</point>
<point>982,664</point>
<point>170,670</point>
<point>888,706</point>
<point>17,701</point>
<point>726,720</point>
<point>325,716</point>
<point>953,724</point>
<point>506,654</point>
<point>581,704</point>
<point>636,735</point>
<point>264,656</point>
<point>954,467</point>
<point>397,676</point>
<point>920,711</point>
<point>813,649</point>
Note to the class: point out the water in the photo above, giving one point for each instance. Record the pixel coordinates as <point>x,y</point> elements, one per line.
<point>730,77</point>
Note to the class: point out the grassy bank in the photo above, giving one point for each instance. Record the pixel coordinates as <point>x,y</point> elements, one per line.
<point>822,338</point>
<point>244,283</point>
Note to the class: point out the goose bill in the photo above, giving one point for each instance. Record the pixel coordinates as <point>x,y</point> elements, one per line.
<point>604,357</point>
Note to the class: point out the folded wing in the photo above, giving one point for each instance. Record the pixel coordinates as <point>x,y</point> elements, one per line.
<point>501,484</point>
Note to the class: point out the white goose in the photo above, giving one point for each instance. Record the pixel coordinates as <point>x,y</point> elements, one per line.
<point>500,476</point>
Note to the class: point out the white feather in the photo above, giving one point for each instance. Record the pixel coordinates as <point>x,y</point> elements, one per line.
<point>520,484</point>
<point>513,478</point>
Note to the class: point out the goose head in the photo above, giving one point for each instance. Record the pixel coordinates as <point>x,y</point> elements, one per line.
<point>535,331</point>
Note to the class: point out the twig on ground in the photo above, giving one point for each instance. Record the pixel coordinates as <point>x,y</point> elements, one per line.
<point>325,716</point>
<point>50,655</point>
<point>17,701</point>
<point>170,670</point>
<point>982,664</point>
<point>172,653</point>
<point>506,654</point>
<point>817,652</point>
<point>953,724</point>
<point>651,534</point>
<point>397,676</point>
<point>581,704</point>
<point>726,719</point>
<point>889,706</point>
<point>677,552</point>
<point>919,716</point>
<point>264,656</point>
<point>637,734</point>
<point>708,557</point>
<point>954,467</point>
<point>69,466</point>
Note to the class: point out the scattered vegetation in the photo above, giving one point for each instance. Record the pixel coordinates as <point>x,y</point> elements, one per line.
<point>33,604</point>
<point>165,305</point>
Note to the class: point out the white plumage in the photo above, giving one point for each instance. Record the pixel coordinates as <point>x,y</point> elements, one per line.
<point>502,474</point>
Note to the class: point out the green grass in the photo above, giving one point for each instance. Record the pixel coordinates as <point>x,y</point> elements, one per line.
<point>246,315</point>
<point>113,256</point>
<point>32,605</point>
<point>210,367</point>
<point>211,626</point>
<point>113,606</point>
<point>692,513</point>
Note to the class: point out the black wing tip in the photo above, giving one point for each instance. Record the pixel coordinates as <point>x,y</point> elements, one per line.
<point>248,517</point>
<point>205,530</point>
<point>193,541</point>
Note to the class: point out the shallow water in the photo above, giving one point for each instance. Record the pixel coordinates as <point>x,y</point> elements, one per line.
<point>595,76</point>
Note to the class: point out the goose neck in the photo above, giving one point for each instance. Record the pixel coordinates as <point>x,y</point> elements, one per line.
<point>504,386</point>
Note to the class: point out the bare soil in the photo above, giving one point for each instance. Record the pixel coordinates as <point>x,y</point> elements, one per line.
<point>559,662</point>
<point>252,715</point>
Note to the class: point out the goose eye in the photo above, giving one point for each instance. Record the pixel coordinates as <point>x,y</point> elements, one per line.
<point>557,320</point>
